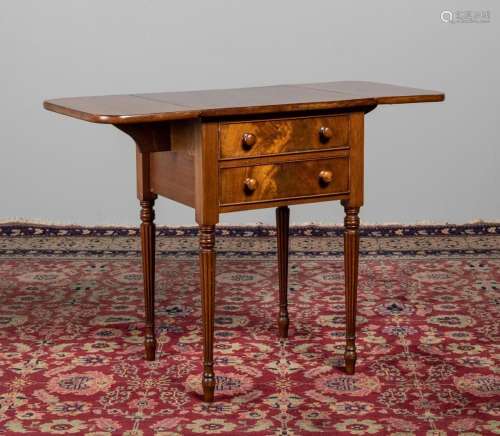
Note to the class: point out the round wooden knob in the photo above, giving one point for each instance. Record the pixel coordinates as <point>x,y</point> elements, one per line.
<point>325,133</point>
<point>325,177</point>
<point>250,184</point>
<point>248,140</point>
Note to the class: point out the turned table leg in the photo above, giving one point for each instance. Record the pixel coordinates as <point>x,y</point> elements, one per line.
<point>282,225</point>
<point>207,281</point>
<point>351,257</point>
<point>148,268</point>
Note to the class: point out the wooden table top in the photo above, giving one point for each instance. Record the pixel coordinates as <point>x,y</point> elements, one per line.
<point>168,106</point>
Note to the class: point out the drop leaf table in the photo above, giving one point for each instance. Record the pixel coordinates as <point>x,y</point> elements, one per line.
<point>238,149</point>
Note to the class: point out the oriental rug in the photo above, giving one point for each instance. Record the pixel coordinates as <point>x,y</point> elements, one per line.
<point>71,353</point>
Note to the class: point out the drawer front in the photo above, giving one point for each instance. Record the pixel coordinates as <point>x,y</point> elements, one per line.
<point>261,183</point>
<point>263,138</point>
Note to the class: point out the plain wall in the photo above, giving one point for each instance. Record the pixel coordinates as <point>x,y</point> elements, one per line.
<point>434,161</point>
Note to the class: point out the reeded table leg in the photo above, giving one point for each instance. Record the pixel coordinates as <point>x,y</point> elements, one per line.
<point>207,280</point>
<point>282,225</point>
<point>351,257</point>
<point>148,268</point>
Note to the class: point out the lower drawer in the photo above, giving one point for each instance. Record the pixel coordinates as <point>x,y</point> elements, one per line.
<point>262,183</point>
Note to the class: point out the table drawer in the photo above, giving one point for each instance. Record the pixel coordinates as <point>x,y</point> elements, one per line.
<point>289,180</point>
<point>263,138</point>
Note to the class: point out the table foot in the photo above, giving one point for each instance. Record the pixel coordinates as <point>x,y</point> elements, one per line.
<point>150,349</point>
<point>283,327</point>
<point>350,361</point>
<point>208,384</point>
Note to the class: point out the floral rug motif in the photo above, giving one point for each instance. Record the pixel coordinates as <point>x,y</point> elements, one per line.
<point>71,317</point>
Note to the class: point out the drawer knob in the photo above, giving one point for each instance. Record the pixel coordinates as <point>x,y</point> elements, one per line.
<point>325,177</point>
<point>248,140</point>
<point>250,184</point>
<point>325,133</point>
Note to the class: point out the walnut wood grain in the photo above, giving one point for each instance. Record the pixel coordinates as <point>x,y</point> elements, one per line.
<point>283,181</point>
<point>168,106</point>
<point>282,230</point>
<point>283,136</point>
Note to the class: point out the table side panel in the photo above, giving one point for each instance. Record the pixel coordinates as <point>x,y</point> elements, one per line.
<point>172,176</point>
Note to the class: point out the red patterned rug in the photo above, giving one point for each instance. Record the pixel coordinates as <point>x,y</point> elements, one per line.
<point>71,355</point>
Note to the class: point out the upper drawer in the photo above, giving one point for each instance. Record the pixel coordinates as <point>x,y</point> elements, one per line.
<point>262,138</point>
